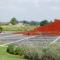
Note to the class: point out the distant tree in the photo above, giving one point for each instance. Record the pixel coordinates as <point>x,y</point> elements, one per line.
<point>34,23</point>
<point>13,21</point>
<point>25,22</point>
<point>42,23</point>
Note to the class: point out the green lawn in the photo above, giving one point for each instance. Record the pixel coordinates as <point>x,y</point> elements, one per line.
<point>5,56</point>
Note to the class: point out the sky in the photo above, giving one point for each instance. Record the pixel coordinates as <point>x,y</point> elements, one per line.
<point>35,10</point>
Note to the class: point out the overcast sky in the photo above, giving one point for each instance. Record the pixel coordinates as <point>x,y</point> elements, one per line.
<point>29,9</point>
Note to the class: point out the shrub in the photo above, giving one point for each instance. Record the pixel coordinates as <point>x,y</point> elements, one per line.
<point>48,54</point>
<point>20,50</point>
<point>16,50</point>
<point>31,54</point>
<point>0,29</point>
<point>11,48</point>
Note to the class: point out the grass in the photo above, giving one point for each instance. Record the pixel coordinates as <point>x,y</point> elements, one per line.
<point>18,27</point>
<point>5,56</point>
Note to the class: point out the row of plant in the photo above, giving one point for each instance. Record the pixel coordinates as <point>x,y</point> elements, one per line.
<point>33,53</point>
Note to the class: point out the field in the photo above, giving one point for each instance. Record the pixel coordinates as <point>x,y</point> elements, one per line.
<point>19,27</point>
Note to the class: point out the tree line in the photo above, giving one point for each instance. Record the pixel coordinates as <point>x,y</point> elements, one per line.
<point>14,21</point>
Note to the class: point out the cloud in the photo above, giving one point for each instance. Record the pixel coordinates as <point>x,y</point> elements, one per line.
<point>55,8</point>
<point>29,9</point>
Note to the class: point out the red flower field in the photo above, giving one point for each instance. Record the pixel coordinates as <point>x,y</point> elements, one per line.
<point>49,29</point>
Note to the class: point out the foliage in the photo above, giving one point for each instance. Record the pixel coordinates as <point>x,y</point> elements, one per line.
<point>16,50</point>
<point>47,55</point>
<point>1,29</point>
<point>34,23</point>
<point>42,23</point>
<point>25,22</point>
<point>32,53</point>
<point>13,21</point>
<point>20,50</point>
<point>11,48</point>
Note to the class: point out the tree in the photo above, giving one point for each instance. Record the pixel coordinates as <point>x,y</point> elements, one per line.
<point>25,22</point>
<point>42,23</point>
<point>34,23</point>
<point>13,21</point>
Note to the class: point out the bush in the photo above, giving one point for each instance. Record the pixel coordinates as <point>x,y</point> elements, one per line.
<point>11,48</point>
<point>16,50</point>
<point>0,29</point>
<point>48,54</point>
<point>31,54</point>
<point>20,50</point>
